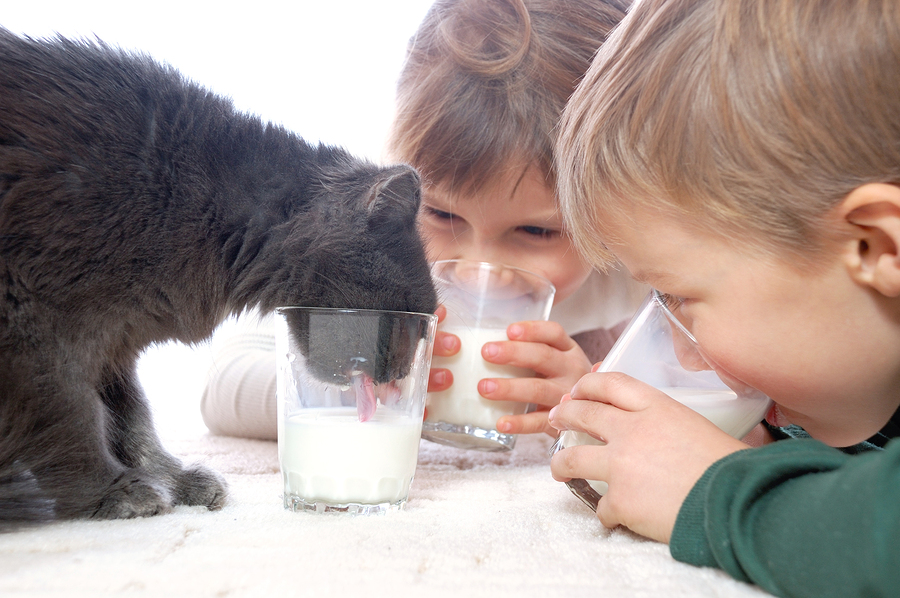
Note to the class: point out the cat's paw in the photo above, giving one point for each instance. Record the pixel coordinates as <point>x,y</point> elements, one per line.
<point>197,485</point>
<point>134,494</point>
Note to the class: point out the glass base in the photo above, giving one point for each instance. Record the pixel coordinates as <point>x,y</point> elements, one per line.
<point>298,504</point>
<point>583,490</point>
<point>468,437</point>
<point>579,487</point>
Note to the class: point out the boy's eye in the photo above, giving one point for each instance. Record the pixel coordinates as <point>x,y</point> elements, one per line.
<point>671,302</point>
<point>537,231</point>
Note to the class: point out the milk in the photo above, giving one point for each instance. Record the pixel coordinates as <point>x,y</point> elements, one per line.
<point>734,415</point>
<point>461,404</point>
<point>329,456</point>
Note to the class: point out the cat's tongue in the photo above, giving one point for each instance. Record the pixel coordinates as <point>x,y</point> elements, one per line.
<point>365,396</point>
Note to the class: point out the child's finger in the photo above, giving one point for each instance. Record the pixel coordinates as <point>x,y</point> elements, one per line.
<point>521,354</point>
<point>618,389</point>
<point>545,332</point>
<point>538,391</point>
<point>586,462</point>
<point>589,417</point>
<point>439,379</point>
<point>446,344</point>
<point>606,513</point>
<point>528,423</point>
<point>539,357</point>
<point>441,312</point>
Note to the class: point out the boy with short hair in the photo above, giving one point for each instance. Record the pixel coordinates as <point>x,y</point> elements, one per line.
<point>743,157</point>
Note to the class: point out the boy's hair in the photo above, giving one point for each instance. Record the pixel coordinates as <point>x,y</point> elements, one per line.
<point>485,81</point>
<point>753,117</point>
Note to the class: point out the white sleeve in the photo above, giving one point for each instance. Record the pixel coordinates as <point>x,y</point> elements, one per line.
<point>239,398</point>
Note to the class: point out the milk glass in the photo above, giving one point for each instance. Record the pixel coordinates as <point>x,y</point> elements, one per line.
<point>350,392</point>
<point>657,349</point>
<point>482,299</point>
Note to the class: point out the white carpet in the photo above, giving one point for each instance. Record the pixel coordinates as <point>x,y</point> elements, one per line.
<point>475,524</point>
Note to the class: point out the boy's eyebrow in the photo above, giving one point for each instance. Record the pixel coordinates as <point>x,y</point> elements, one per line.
<point>653,277</point>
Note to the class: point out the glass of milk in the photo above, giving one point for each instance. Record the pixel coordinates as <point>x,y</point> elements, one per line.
<point>482,299</point>
<point>657,349</point>
<point>350,392</point>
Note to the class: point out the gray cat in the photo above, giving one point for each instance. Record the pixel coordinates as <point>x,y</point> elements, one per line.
<point>137,208</point>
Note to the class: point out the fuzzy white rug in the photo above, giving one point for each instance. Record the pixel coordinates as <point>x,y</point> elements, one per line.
<point>475,524</point>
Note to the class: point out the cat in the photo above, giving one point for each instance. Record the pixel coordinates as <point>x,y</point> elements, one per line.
<point>136,207</point>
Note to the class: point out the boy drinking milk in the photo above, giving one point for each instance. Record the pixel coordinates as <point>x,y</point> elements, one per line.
<point>743,158</point>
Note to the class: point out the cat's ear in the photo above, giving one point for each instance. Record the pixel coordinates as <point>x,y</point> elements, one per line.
<point>395,198</point>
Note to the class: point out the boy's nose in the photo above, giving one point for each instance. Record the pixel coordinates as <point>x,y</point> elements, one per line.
<point>686,352</point>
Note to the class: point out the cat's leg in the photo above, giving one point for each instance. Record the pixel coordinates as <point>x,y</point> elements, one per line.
<point>57,436</point>
<point>134,441</point>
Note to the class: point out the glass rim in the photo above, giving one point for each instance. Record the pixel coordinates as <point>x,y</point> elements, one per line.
<point>353,310</point>
<point>494,265</point>
<point>657,296</point>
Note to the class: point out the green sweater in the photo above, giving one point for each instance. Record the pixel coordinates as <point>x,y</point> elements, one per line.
<point>799,518</point>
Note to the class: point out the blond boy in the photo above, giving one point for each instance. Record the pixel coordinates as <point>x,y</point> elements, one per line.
<point>743,157</point>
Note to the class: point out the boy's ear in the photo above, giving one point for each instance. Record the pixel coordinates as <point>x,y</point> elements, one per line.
<point>872,255</point>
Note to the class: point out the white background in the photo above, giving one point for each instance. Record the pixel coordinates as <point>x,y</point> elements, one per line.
<point>325,69</point>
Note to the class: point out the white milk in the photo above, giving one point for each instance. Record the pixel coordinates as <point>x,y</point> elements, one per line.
<point>461,404</point>
<point>734,416</point>
<point>329,456</point>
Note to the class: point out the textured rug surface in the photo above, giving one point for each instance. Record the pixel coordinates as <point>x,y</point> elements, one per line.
<point>475,524</point>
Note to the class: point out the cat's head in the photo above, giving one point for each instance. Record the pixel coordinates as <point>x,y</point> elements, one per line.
<point>337,345</point>
<point>359,241</point>
<point>361,249</point>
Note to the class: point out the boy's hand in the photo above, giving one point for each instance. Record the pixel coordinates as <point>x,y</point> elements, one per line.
<point>445,345</point>
<point>557,361</point>
<point>656,449</point>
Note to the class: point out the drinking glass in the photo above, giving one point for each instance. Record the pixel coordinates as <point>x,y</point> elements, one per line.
<point>351,388</point>
<point>482,299</point>
<point>657,349</point>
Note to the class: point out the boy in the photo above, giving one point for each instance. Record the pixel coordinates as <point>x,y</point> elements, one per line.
<point>743,157</point>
